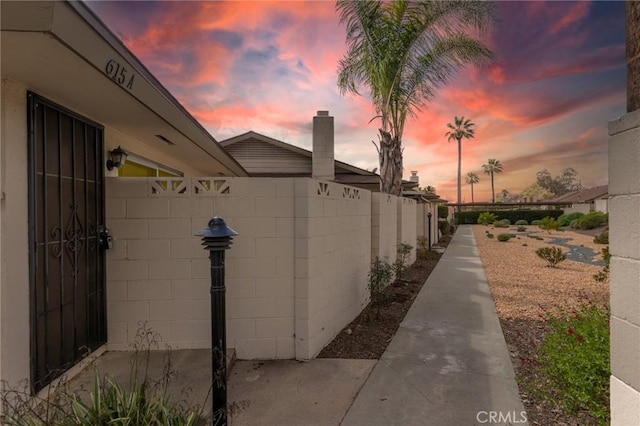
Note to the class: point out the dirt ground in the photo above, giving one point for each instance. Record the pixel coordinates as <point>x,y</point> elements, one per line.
<point>370,333</point>
<point>525,289</point>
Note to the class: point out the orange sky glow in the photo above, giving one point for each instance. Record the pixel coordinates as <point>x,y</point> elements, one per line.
<point>558,78</point>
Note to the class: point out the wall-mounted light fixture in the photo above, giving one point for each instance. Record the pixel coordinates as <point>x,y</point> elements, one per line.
<point>117,158</point>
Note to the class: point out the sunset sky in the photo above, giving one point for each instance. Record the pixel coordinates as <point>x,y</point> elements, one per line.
<point>558,78</point>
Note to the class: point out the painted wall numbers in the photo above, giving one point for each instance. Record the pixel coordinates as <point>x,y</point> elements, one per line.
<point>119,73</point>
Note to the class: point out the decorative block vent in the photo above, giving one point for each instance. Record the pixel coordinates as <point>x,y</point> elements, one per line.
<point>352,193</point>
<point>323,189</point>
<point>169,187</point>
<point>211,186</point>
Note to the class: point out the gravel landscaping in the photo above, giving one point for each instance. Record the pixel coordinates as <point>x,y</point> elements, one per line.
<point>525,289</point>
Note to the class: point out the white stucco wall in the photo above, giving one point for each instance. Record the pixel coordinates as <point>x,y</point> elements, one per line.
<point>298,267</point>
<point>624,224</point>
<point>384,226</point>
<point>14,251</point>
<point>578,208</point>
<point>601,205</point>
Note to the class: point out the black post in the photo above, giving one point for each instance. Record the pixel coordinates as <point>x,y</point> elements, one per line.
<point>429,228</point>
<point>217,238</point>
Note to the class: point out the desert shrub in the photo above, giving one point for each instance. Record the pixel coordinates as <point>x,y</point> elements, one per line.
<point>603,275</point>
<point>521,222</point>
<point>566,219</point>
<point>575,360</point>
<point>486,218</point>
<point>536,222</point>
<point>549,224</point>
<point>521,228</point>
<point>592,220</point>
<point>505,222</point>
<point>573,224</point>
<point>402,256</point>
<point>504,237</point>
<point>603,238</point>
<point>489,235</point>
<point>500,224</point>
<point>552,255</point>
<point>471,217</point>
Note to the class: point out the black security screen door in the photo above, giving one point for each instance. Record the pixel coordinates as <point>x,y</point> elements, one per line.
<point>66,213</point>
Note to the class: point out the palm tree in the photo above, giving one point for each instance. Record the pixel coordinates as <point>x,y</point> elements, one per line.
<point>492,167</point>
<point>471,179</point>
<point>401,52</point>
<point>460,129</point>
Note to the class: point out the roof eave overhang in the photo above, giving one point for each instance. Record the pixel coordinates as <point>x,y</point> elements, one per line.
<point>64,51</point>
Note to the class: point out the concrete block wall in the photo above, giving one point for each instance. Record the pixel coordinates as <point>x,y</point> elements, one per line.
<point>407,212</point>
<point>332,255</point>
<point>384,226</point>
<point>624,224</point>
<point>296,274</point>
<point>158,272</point>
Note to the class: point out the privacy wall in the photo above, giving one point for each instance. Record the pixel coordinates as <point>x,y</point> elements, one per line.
<point>296,274</point>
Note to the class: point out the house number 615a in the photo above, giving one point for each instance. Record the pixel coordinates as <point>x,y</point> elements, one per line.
<point>119,74</point>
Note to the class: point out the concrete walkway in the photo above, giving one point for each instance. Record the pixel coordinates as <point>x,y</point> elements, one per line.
<point>448,363</point>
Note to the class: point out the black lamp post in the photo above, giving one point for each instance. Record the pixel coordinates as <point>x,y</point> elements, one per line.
<point>217,238</point>
<point>429,228</point>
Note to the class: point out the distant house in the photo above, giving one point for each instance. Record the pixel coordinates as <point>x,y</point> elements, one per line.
<point>263,156</point>
<point>586,200</point>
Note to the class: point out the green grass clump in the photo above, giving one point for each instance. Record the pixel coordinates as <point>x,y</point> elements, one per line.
<point>552,255</point>
<point>603,238</point>
<point>486,218</point>
<point>575,360</point>
<point>549,224</point>
<point>504,237</point>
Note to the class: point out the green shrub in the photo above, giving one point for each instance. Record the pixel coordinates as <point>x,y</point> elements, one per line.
<point>379,278</point>
<point>471,217</point>
<point>573,224</point>
<point>603,238</point>
<point>522,229</point>
<point>575,360</point>
<point>536,222</point>
<point>552,255</point>
<point>500,224</point>
<point>504,237</point>
<point>402,255</point>
<point>603,275</point>
<point>566,219</point>
<point>443,212</point>
<point>549,224</point>
<point>592,220</point>
<point>444,227</point>
<point>486,218</point>
<point>522,222</point>
<point>505,222</point>
<point>489,235</point>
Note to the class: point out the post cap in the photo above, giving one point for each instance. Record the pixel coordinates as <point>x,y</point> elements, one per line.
<point>217,229</point>
<point>429,214</point>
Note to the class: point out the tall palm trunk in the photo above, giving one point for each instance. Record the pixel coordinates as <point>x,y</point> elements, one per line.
<point>459,172</point>
<point>472,200</point>
<point>493,192</point>
<point>390,156</point>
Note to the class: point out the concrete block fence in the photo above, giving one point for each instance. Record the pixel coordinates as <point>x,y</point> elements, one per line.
<point>296,274</point>
<point>624,224</point>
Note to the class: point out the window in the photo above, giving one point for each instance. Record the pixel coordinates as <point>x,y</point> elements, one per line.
<point>140,167</point>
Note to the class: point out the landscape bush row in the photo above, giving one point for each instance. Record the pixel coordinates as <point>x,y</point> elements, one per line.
<point>513,216</point>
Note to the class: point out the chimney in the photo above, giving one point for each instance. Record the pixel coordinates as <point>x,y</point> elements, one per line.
<point>414,177</point>
<point>322,159</point>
